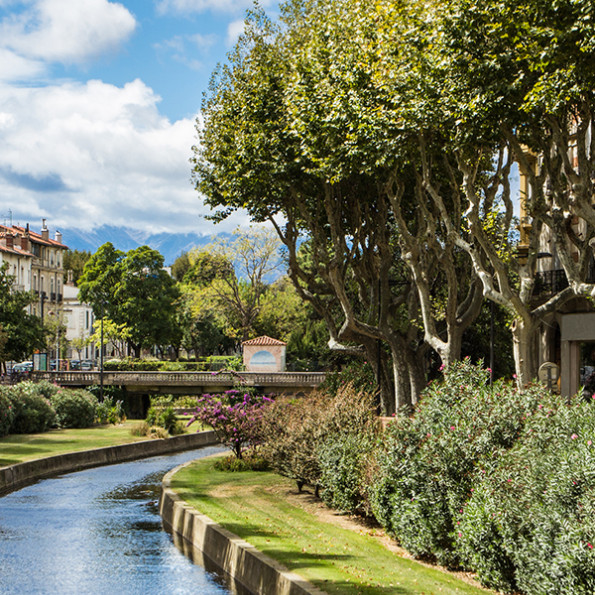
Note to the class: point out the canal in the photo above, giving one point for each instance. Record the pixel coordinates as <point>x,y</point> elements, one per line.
<point>97,532</point>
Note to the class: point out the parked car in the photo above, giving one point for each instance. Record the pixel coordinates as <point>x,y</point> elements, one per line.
<point>23,367</point>
<point>87,364</point>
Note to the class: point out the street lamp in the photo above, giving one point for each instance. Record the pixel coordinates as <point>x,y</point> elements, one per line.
<point>101,353</point>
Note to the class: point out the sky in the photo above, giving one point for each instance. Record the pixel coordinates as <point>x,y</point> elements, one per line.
<point>98,102</point>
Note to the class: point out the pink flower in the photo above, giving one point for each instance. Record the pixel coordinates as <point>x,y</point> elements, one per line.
<point>574,436</point>
<point>452,427</point>
<point>589,545</point>
<point>589,443</point>
<point>441,368</point>
<point>460,534</point>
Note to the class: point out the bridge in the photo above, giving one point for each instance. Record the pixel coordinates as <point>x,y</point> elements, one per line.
<point>188,383</point>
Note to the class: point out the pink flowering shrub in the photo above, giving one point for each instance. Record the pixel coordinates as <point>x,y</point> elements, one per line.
<point>235,416</point>
<point>430,463</point>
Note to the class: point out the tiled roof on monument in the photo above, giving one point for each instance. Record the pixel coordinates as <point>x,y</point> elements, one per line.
<point>264,340</point>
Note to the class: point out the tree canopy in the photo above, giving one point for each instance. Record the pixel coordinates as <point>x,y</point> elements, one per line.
<point>389,137</point>
<point>20,333</point>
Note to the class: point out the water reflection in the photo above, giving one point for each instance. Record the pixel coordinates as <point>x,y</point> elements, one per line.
<point>96,532</point>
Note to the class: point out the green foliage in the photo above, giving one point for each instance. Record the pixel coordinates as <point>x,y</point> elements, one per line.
<point>20,333</point>
<point>297,432</point>
<point>343,460</point>
<point>33,413</point>
<point>46,389</point>
<point>180,266</point>
<point>133,291</point>
<point>6,411</point>
<point>357,373</point>
<point>75,260</point>
<point>212,363</point>
<point>109,411</point>
<point>428,463</point>
<point>529,523</point>
<point>164,417</point>
<point>252,461</point>
<point>74,408</point>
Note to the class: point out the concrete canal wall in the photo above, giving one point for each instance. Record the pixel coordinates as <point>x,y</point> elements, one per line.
<point>19,475</point>
<point>205,541</point>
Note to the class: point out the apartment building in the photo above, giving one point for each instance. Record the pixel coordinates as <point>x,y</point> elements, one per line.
<point>15,252</point>
<point>46,272</point>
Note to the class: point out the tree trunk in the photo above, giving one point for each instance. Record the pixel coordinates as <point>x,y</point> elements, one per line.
<point>525,360</point>
<point>403,398</point>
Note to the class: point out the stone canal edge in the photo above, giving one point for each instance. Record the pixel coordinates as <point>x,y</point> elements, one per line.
<point>197,535</point>
<point>19,475</point>
<point>203,540</point>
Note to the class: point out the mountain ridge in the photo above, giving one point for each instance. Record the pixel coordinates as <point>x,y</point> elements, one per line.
<point>170,245</point>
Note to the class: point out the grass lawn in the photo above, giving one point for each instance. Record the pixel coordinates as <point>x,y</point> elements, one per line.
<point>267,511</point>
<point>16,448</point>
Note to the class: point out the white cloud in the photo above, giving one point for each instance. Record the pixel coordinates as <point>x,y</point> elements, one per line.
<point>182,48</point>
<point>65,30</point>
<point>197,6</point>
<point>84,155</point>
<point>234,30</point>
<point>16,68</point>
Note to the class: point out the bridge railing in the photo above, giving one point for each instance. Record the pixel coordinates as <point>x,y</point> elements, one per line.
<point>80,378</point>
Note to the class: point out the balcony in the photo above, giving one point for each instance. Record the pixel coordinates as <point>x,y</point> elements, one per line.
<point>550,281</point>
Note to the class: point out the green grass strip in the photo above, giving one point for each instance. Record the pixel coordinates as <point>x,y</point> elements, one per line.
<point>17,448</point>
<point>255,506</point>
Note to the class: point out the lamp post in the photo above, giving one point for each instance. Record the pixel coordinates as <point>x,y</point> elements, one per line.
<point>101,353</point>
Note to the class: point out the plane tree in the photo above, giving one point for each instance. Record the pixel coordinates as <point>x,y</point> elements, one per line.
<point>250,157</point>
<point>516,92</point>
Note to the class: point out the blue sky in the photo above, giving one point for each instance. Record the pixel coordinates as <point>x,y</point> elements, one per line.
<point>98,101</point>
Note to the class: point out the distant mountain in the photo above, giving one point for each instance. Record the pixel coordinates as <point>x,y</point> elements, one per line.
<point>170,245</point>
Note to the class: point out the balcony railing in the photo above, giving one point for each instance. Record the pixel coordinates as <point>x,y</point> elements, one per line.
<point>550,281</point>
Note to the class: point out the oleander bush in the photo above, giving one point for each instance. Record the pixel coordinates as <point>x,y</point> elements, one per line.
<point>74,408</point>
<point>33,412</point>
<point>529,524</point>
<point>6,412</point>
<point>430,463</point>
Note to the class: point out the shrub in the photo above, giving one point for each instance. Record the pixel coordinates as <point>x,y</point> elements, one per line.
<point>357,373</point>
<point>343,465</point>
<point>6,411</point>
<point>140,429</point>
<point>165,418</point>
<point>33,413</point>
<point>74,408</point>
<point>109,411</point>
<point>249,462</point>
<point>46,389</point>
<point>427,463</point>
<point>234,416</point>
<point>302,437</point>
<point>530,523</point>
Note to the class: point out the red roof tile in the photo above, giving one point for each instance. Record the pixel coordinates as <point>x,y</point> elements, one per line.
<point>264,340</point>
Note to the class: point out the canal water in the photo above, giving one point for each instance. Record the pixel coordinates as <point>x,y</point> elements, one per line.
<point>97,532</point>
